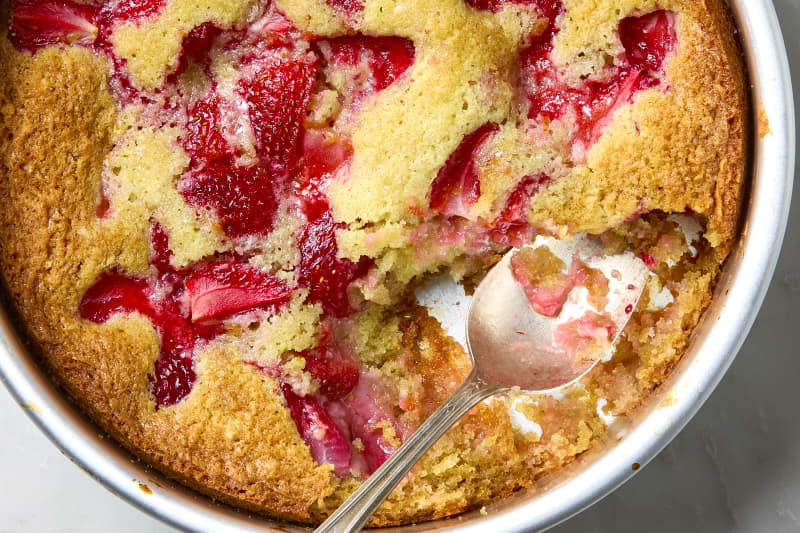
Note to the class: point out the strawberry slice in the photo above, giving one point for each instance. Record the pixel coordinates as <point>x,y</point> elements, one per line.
<point>113,293</point>
<point>520,196</point>
<point>598,104</point>
<point>323,152</point>
<point>173,373</point>
<point>243,198</point>
<point>350,404</point>
<point>39,23</point>
<point>511,225</point>
<point>326,276</point>
<point>376,449</point>
<point>649,261</point>
<point>197,45</point>
<point>335,371</point>
<point>225,288</point>
<point>386,57</point>
<point>117,293</point>
<point>161,258</point>
<point>326,441</point>
<point>647,39</point>
<point>204,140</point>
<point>277,96</point>
<point>456,187</point>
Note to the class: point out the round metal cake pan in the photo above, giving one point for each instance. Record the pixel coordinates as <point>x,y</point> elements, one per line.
<point>636,441</point>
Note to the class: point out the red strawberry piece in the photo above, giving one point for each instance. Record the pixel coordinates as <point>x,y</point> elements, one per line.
<point>376,449</point>
<point>314,202</point>
<point>39,23</point>
<point>326,276</point>
<point>549,8</point>
<point>548,96</point>
<point>546,296</point>
<point>485,5</point>
<point>649,261</point>
<point>243,197</point>
<point>114,293</point>
<point>277,97</point>
<point>173,373</point>
<point>387,57</point>
<point>348,7</point>
<point>647,39</point>
<point>368,406</point>
<point>597,104</point>
<point>322,153</point>
<point>335,371</point>
<point>161,258</point>
<point>456,186</point>
<point>518,200</point>
<point>326,441</point>
<point>222,289</point>
<point>274,25</point>
<point>204,140</point>
<point>197,44</point>
<point>513,220</point>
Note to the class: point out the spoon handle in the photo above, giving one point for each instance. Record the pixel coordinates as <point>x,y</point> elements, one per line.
<point>359,507</point>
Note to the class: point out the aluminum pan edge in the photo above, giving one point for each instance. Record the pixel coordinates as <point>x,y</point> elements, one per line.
<point>740,293</point>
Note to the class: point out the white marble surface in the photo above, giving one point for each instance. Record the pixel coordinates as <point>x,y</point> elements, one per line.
<point>736,466</point>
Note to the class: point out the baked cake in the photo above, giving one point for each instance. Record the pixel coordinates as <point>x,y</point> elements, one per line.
<point>214,215</point>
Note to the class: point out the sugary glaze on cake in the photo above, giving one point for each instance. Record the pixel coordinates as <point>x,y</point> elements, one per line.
<point>214,212</point>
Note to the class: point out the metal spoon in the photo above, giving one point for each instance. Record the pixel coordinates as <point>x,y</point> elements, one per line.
<point>510,346</point>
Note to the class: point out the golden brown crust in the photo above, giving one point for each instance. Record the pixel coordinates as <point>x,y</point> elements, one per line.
<point>735,112</point>
<point>674,150</point>
<point>232,438</point>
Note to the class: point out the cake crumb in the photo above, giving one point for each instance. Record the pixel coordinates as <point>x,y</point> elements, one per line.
<point>763,121</point>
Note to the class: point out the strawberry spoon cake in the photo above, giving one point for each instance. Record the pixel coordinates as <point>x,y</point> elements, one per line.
<point>215,215</point>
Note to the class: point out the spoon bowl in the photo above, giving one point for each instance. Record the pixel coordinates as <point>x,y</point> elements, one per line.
<point>511,345</point>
